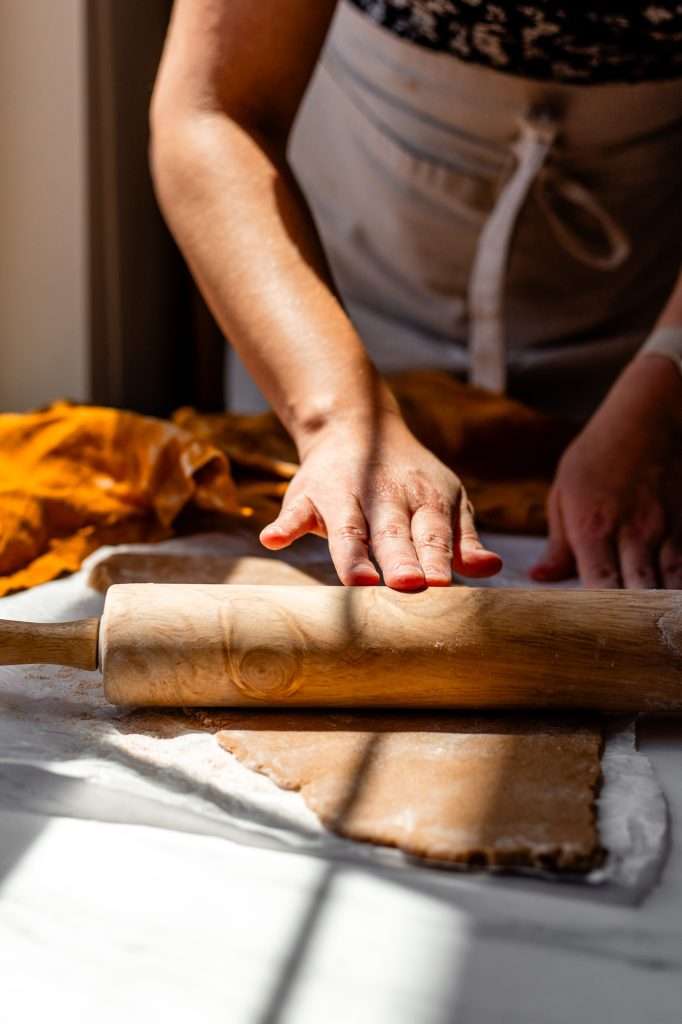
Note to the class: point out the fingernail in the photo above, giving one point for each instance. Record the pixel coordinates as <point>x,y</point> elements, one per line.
<point>364,569</point>
<point>543,573</point>
<point>475,548</point>
<point>274,534</point>
<point>433,573</point>
<point>485,556</point>
<point>405,569</point>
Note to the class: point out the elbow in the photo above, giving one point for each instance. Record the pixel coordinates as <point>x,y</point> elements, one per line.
<point>185,144</point>
<point>189,142</point>
<point>183,132</point>
<point>179,130</point>
<point>167,126</point>
<point>182,147</point>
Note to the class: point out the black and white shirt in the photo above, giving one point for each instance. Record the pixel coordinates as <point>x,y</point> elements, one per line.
<point>560,40</point>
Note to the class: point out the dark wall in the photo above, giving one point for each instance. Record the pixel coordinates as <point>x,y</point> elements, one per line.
<point>154,344</point>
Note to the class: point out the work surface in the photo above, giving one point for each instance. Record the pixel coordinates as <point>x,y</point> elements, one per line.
<point>116,900</point>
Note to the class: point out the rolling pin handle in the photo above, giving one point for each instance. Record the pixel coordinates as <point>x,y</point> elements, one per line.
<point>50,643</point>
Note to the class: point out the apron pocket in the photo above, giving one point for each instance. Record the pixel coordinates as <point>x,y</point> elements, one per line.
<point>400,227</point>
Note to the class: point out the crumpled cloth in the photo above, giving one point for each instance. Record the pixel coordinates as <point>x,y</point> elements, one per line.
<point>75,477</point>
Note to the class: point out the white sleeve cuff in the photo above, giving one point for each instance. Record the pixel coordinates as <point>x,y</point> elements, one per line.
<point>664,341</point>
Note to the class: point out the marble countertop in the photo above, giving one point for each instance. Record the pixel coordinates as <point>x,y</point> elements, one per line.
<point>100,917</point>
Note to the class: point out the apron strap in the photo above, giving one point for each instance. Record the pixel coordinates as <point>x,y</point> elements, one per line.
<point>487,342</point>
<point>617,244</point>
<point>487,350</point>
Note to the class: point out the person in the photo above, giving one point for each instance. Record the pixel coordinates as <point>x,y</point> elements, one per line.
<point>491,188</point>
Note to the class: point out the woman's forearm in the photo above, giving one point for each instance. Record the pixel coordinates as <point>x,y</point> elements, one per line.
<point>225,98</point>
<point>251,243</point>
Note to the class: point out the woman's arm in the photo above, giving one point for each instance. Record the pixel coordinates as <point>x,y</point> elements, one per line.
<point>229,85</point>
<point>615,509</point>
<point>228,88</point>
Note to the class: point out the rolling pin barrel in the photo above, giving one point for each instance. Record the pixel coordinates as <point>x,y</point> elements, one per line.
<point>460,647</point>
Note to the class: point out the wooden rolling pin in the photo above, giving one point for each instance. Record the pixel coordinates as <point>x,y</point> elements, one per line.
<point>459,647</point>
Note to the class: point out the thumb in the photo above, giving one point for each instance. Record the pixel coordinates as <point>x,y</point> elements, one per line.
<point>557,562</point>
<point>294,521</point>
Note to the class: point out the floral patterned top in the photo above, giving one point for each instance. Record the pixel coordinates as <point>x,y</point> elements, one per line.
<point>558,40</point>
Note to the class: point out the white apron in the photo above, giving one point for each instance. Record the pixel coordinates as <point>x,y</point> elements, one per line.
<point>523,232</point>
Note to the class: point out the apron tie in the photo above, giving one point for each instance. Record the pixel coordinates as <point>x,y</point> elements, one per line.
<point>487,342</point>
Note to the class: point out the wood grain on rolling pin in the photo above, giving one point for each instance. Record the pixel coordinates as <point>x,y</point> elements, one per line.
<point>454,647</point>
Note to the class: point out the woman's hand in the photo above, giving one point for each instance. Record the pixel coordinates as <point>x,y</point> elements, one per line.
<point>615,509</point>
<point>372,488</point>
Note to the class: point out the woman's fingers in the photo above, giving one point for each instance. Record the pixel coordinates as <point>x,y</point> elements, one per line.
<point>670,563</point>
<point>348,547</point>
<point>296,518</point>
<point>557,562</point>
<point>637,562</point>
<point>432,536</point>
<point>612,552</point>
<point>413,547</point>
<point>608,554</point>
<point>421,549</point>
<point>597,563</point>
<point>638,542</point>
<point>392,545</point>
<point>470,557</point>
<point>591,531</point>
<point>345,529</point>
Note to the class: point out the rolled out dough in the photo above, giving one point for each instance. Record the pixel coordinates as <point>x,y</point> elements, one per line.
<point>486,791</point>
<point>166,567</point>
<point>470,790</point>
